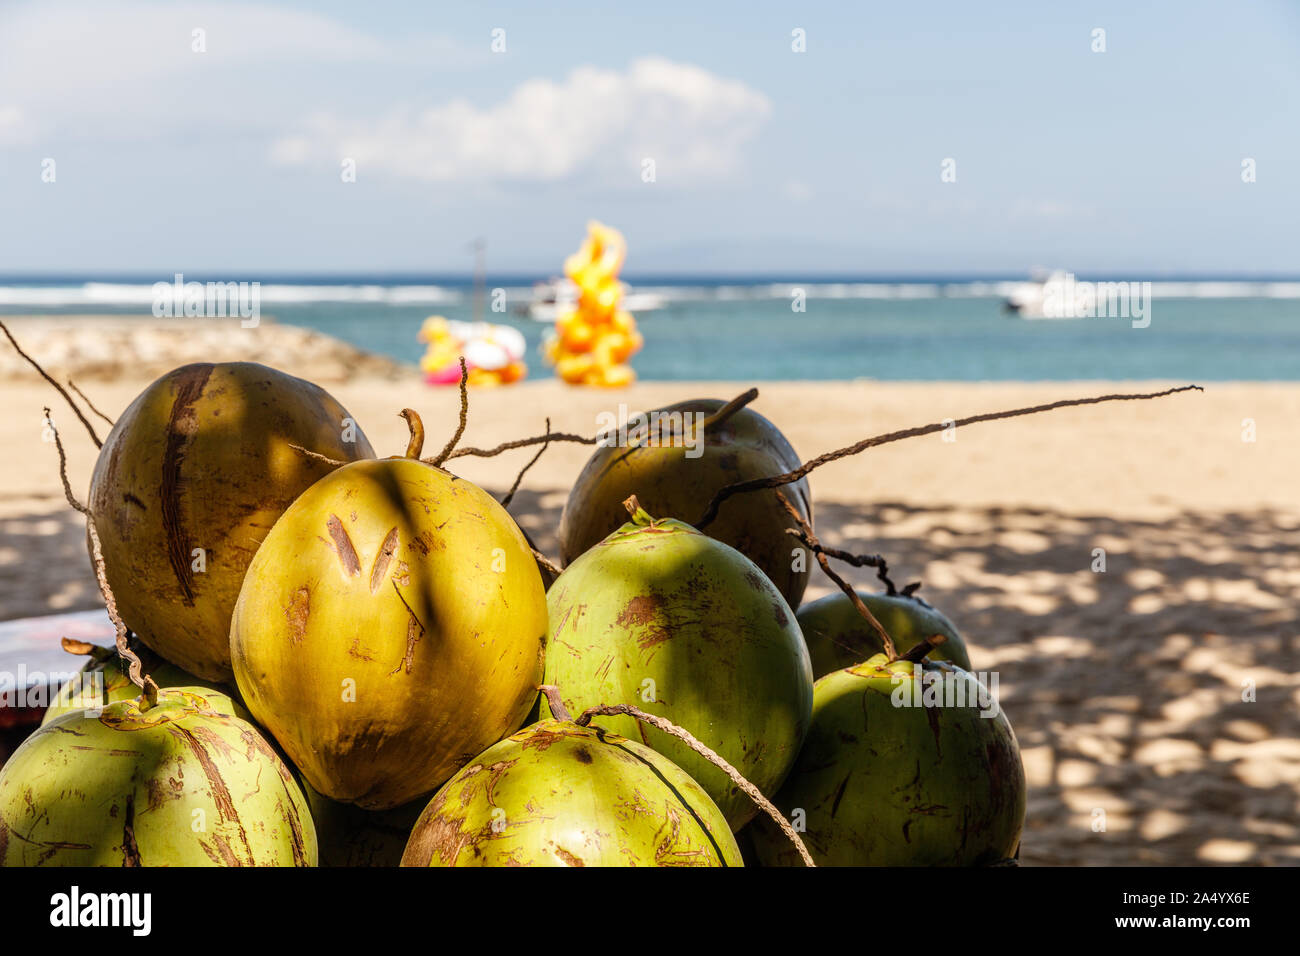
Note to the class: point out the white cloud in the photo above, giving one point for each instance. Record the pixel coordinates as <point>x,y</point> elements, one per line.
<point>308,90</point>
<point>597,122</point>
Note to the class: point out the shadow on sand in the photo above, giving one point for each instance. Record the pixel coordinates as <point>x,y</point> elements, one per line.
<point>1158,699</point>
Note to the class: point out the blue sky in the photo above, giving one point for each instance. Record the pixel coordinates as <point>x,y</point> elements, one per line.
<point>766,160</point>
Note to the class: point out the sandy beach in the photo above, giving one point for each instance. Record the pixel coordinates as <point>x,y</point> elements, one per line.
<point>1125,686</point>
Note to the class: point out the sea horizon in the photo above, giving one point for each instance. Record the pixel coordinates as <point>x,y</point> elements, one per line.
<point>134,288</point>
<point>730,327</point>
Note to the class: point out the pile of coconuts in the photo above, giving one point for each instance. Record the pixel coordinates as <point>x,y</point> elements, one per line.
<point>328,657</point>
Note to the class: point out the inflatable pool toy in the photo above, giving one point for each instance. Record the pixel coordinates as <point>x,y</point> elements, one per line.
<point>493,353</point>
<point>592,342</point>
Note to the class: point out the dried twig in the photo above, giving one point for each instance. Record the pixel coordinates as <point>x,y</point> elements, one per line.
<point>809,538</point>
<point>89,404</point>
<point>510,495</point>
<point>560,712</point>
<point>141,680</point>
<point>524,443</point>
<point>546,562</point>
<point>63,466</point>
<point>701,748</point>
<point>721,415</point>
<point>57,387</point>
<point>317,456</point>
<point>876,561</point>
<point>776,481</point>
<point>464,417</point>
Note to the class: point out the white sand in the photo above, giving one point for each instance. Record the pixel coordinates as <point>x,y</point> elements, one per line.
<point>1125,687</point>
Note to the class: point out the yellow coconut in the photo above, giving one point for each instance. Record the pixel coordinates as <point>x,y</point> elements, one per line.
<point>188,483</point>
<point>390,628</point>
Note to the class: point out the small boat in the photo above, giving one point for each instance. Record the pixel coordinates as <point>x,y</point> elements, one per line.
<point>1042,298</point>
<point>553,298</point>
<point>550,299</point>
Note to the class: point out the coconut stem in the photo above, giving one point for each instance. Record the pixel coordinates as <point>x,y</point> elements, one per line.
<point>668,727</point>
<point>918,651</point>
<point>640,517</point>
<point>148,689</point>
<point>95,652</point>
<point>729,409</point>
<point>416,427</point>
<point>558,710</point>
<point>776,481</point>
<point>717,418</point>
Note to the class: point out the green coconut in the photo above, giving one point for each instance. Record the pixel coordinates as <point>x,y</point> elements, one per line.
<point>105,679</point>
<point>905,765</point>
<point>184,782</point>
<point>558,794</point>
<point>687,628</point>
<point>671,481</point>
<point>838,636</point>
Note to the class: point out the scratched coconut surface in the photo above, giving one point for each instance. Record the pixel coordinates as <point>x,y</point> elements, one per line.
<point>664,617</point>
<point>417,594</point>
<point>189,481</point>
<point>556,794</point>
<point>881,783</point>
<point>184,783</point>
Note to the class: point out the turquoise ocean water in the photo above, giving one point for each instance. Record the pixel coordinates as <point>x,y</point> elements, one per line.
<point>746,330</point>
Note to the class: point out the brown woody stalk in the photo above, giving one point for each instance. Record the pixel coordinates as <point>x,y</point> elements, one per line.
<point>510,495</point>
<point>464,417</point>
<point>776,481</point>
<point>805,534</point>
<point>140,679</point>
<point>57,387</point>
<point>717,418</point>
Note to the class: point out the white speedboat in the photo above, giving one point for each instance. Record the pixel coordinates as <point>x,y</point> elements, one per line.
<point>553,298</point>
<point>1042,298</point>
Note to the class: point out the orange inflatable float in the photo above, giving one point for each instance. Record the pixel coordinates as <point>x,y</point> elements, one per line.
<point>592,342</point>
